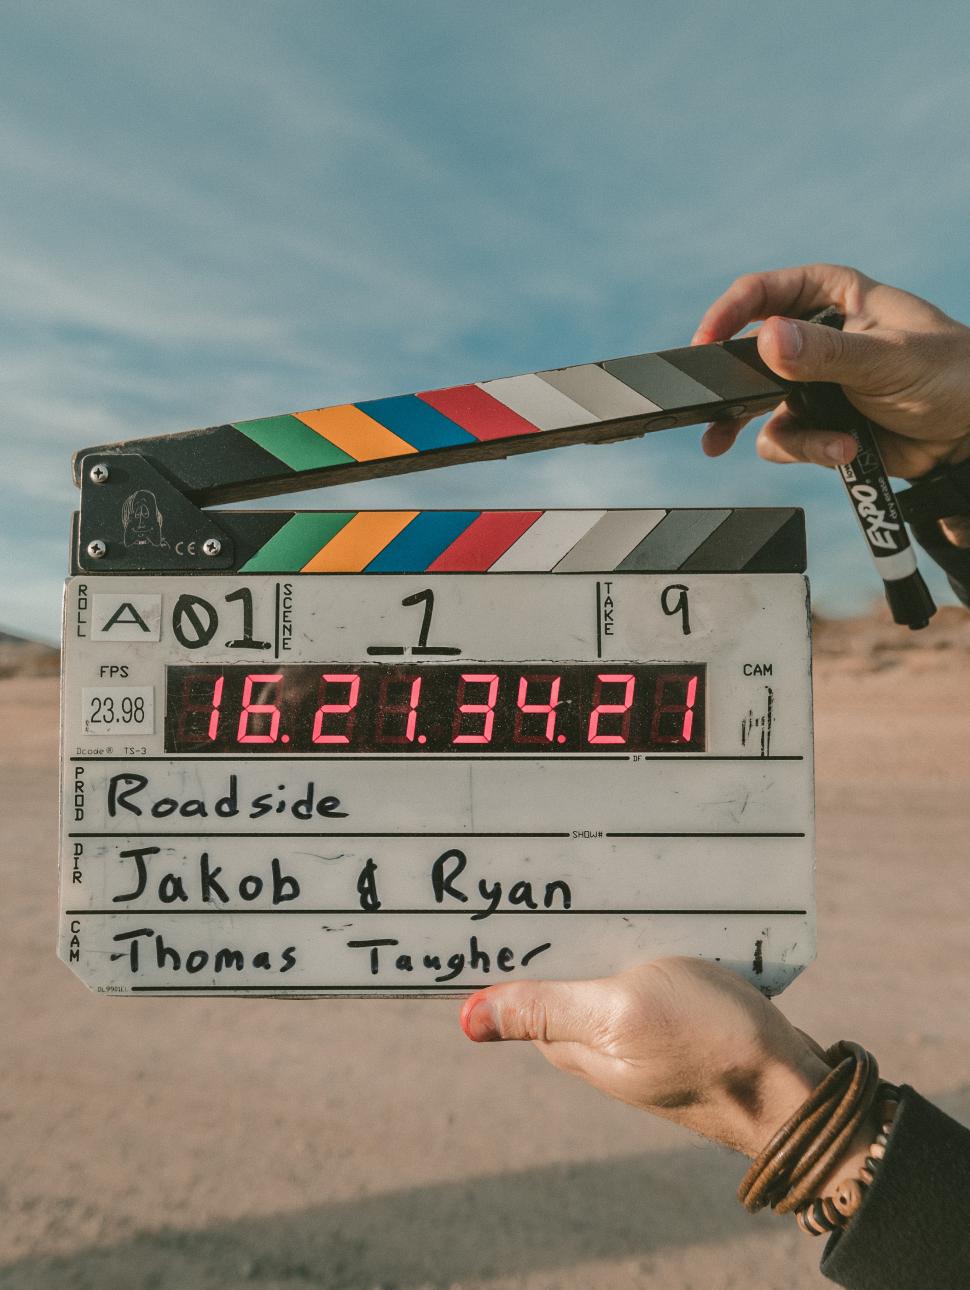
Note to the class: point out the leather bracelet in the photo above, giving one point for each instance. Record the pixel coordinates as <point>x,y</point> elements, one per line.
<point>768,1185</point>
<point>824,1145</point>
<point>813,1178</point>
<point>818,1105</point>
<point>801,1154</point>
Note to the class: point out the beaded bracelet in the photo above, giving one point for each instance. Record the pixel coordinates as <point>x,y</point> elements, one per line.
<point>832,1213</point>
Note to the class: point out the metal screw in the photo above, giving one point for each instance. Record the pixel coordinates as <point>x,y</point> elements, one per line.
<point>97,549</point>
<point>99,473</point>
<point>211,546</point>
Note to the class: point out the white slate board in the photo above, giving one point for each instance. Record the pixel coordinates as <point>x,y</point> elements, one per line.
<point>572,864</point>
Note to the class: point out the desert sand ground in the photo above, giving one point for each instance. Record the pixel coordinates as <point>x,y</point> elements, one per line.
<point>203,1145</point>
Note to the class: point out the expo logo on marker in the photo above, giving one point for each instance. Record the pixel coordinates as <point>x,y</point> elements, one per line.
<point>880,531</point>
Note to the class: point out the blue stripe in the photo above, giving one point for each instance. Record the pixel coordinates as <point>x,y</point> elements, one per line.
<point>417,422</point>
<point>422,541</point>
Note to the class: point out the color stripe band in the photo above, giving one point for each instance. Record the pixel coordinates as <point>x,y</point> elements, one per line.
<point>565,541</point>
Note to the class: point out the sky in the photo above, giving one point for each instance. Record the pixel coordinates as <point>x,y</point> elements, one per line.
<point>214,211</point>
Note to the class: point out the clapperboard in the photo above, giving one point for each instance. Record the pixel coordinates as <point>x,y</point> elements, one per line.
<point>400,753</point>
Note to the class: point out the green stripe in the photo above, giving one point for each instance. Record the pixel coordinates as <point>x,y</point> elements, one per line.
<point>293,442</point>
<point>297,541</point>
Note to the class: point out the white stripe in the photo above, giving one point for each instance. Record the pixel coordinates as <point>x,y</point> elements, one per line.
<point>546,542</point>
<point>893,567</point>
<point>538,401</point>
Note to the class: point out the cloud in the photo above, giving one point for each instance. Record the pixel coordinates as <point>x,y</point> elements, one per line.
<point>227,210</point>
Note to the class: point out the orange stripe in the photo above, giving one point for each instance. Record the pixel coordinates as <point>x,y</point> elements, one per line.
<point>359,541</point>
<point>355,432</point>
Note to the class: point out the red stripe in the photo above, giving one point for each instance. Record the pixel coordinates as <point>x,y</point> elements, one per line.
<point>484,541</point>
<point>477,412</point>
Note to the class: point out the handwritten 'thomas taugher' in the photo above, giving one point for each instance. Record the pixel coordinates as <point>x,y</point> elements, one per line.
<point>161,953</point>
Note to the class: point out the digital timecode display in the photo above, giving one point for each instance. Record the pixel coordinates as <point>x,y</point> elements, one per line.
<point>473,708</point>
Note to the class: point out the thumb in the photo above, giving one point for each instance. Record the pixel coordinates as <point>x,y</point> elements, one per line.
<point>550,1011</point>
<point>802,351</point>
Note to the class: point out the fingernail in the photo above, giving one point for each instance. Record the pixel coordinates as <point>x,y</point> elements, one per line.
<point>835,451</point>
<point>790,338</point>
<point>479,1022</point>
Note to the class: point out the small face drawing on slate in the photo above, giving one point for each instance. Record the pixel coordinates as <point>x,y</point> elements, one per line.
<point>142,520</point>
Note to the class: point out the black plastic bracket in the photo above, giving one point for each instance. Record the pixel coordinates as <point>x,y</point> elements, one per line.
<point>134,519</point>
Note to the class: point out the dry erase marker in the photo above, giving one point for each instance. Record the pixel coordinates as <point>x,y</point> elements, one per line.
<point>875,504</point>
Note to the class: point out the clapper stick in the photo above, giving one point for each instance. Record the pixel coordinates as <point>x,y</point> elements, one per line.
<point>589,403</point>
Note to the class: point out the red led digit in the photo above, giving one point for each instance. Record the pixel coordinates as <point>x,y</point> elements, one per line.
<point>529,709</point>
<point>216,701</point>
<point>628,681</point>
<point>685,709</point>
<point>346,709</point>
<point>250,710</point>
<point>409,709</point>
<point>487,708</point>
<point>210,705</point>
<point>688,725</point>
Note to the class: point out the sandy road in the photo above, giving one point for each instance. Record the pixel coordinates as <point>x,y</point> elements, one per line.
<point>198,1144</point>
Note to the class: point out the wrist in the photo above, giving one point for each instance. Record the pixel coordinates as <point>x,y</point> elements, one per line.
<point>781,1090</point>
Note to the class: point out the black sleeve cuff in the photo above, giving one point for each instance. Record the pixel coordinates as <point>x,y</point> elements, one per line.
<point>913,1230</point>
<point>953,560</point>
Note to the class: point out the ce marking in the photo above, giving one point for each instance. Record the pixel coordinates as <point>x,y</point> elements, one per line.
<point>186,548</point>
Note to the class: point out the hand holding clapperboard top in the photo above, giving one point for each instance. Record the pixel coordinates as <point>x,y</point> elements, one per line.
<point>397,753</point>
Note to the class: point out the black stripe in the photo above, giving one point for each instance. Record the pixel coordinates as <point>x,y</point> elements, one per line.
<point>207,463</point>
<point>745,535</point>
<point>251,530</point>
<point>785,552</point>
<point>746,349</point>
<point>722,372</point>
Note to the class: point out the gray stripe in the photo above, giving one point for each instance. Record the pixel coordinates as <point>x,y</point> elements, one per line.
<point>605,396</point>
<point>660,381</point>
<point>742,535</point>
<point>720,371</point>
<point>536,400</point>
<point>607,542</point>
<point>674,540</point>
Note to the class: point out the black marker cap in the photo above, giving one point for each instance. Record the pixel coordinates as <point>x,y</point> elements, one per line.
<point>910,601</point>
